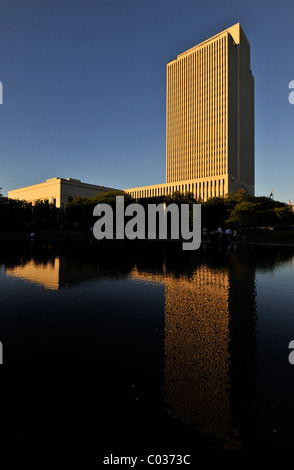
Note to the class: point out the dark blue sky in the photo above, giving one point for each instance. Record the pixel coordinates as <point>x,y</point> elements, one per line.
<point>84,86</point>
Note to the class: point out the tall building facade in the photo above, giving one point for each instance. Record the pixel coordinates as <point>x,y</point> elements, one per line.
<point>209,120</point>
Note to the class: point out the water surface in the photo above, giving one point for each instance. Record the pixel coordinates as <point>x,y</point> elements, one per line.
<point>141,347</point>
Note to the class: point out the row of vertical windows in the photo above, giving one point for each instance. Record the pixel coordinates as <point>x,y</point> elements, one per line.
<point>201,190</point>
<point>196,113</point>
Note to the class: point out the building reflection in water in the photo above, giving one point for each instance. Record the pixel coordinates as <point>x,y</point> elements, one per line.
<point>196,347</point>
<point>197,331</point>
<point>45,274</point>
<point>57,267</point>
<point>209,340</point>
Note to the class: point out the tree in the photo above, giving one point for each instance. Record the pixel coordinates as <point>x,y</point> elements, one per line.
<point>244,213</point>
<point>283,216</point>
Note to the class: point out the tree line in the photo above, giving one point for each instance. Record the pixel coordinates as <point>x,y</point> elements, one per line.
<point>234,211</point>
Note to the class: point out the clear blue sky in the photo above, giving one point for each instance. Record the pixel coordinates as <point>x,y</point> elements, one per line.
<point>84,86</point>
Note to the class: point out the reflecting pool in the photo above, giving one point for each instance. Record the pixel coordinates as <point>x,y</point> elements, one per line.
<point>141,347</point>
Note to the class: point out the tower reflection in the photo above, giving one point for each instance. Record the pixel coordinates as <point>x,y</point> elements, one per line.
<point>209,323</point>
<point>197,354</point>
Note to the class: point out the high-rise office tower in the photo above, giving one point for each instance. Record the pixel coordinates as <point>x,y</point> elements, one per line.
<point>209,125</point>
<point>210,115</point>
<point>209,120</point>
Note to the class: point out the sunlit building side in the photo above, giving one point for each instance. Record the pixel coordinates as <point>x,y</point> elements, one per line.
<point>209,120</point>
